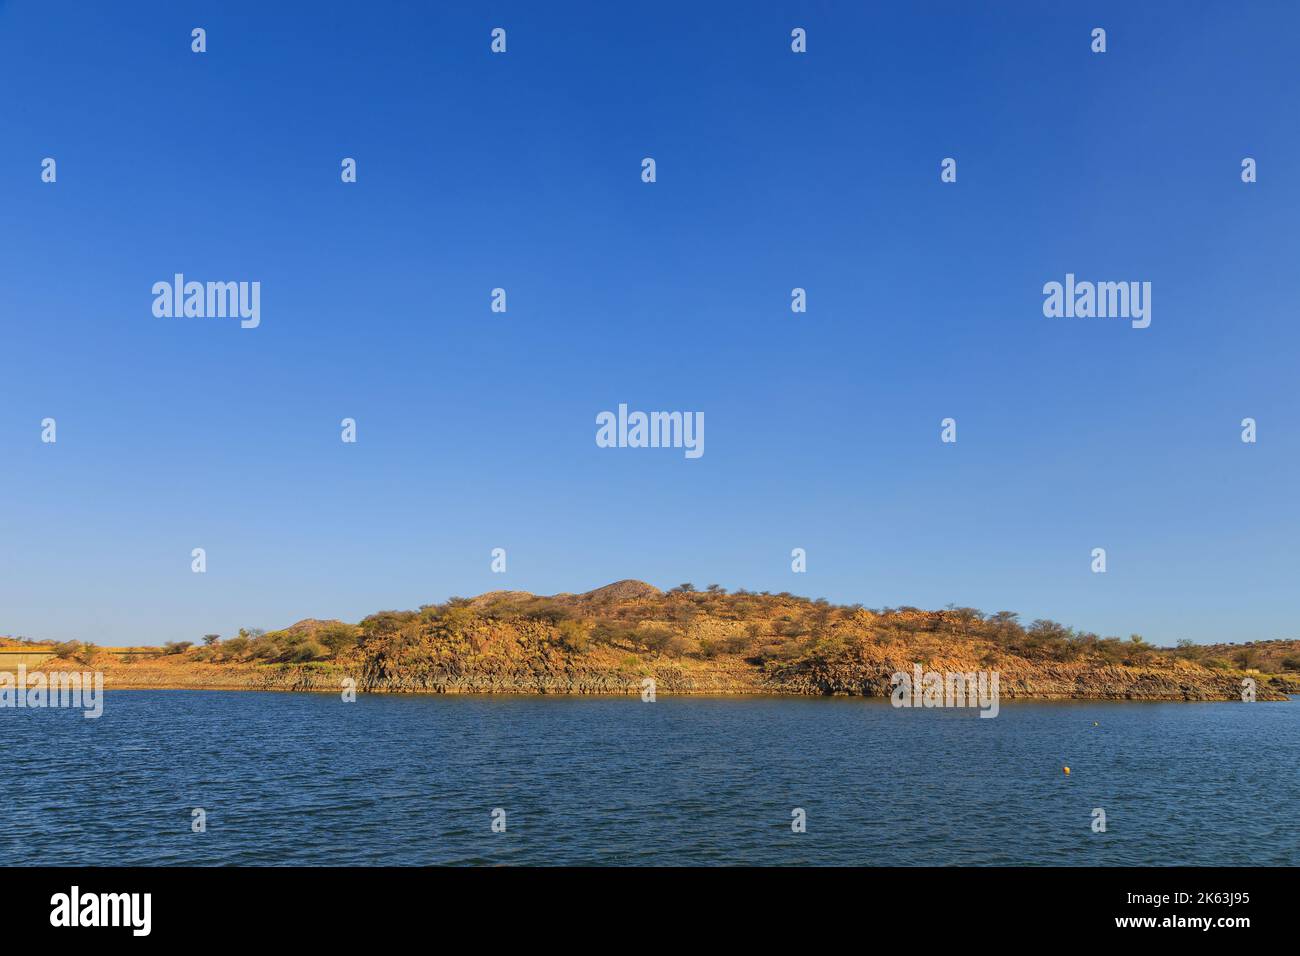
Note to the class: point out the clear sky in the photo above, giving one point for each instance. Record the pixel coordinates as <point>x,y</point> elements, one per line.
<point>775,170</point>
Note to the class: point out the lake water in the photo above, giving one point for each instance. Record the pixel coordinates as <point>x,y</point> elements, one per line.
<point>308,779</point>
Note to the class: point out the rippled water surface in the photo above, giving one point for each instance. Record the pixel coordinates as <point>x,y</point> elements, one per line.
<point>305,778</point>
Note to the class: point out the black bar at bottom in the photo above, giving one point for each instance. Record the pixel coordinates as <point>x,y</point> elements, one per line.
<point>339,906</point>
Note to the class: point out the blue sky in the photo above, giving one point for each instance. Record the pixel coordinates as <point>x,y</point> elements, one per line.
<point>775,170</point>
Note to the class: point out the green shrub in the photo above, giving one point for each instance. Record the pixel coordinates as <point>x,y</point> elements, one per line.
<point>388,622</point>
<point>574,634</point>
<point>654,638</point>
<point>299,652</point>
<point>338,638</point>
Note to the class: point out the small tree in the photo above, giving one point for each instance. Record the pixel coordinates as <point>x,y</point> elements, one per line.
<point>654,638</point>
<point>1247,657</point>
<point>337,638</point>
<point>308,650</point>
<point>210,639</point>
<point>574,634</point>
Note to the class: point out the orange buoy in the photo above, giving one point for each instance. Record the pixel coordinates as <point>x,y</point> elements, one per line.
<point>1067,771</point>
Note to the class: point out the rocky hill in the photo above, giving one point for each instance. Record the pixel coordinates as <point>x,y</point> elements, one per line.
<point>692,641</point>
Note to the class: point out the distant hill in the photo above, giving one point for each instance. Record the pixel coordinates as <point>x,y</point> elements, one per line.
<point>627,590</point>
<point>606,641</point>
<point>1279,656</point>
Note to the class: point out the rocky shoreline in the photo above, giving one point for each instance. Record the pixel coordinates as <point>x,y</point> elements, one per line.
<point>1065,682</point>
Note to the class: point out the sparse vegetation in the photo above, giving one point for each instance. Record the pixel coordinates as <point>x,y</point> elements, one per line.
<point>734,637</point>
